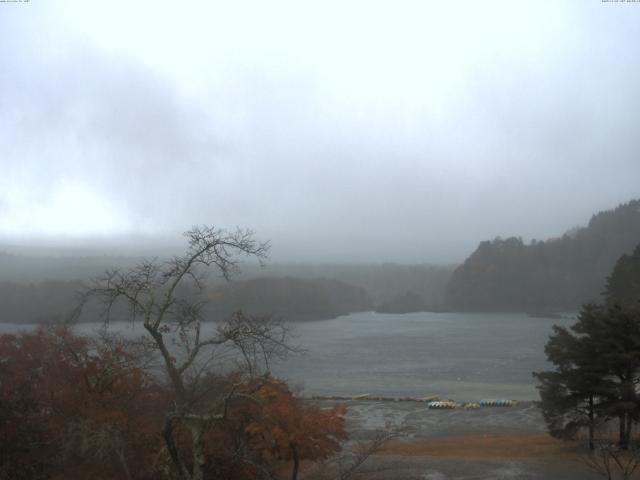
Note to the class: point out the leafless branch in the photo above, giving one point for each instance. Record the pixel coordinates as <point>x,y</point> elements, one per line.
<point>349,465</point>
<point>611,462</point>
<point>168,297</point>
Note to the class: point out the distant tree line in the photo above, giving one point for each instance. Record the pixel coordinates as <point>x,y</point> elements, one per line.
<point>37,302</point>
<point>41,292</point>
<point>561,273</point>
<point>289,298</point>
<point>383,282</point>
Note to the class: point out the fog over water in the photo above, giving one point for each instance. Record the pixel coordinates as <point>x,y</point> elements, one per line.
<point>366,131</point>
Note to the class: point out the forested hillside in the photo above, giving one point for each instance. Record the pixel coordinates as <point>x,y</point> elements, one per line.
<point>383,282</point>
<point>42,302</point>
<point>34,288</point>
<point>289,298</point>
<point>33,268</point>
<point>560,273</point>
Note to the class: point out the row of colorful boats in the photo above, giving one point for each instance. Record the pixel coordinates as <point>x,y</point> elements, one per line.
<point>432,401</point>
<point>447,404</point>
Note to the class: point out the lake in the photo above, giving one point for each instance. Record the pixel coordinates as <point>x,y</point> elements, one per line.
<point>463,356</point>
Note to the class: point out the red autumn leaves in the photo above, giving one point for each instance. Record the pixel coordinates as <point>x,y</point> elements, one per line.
<point>74,408</point>
<point>71,407</point>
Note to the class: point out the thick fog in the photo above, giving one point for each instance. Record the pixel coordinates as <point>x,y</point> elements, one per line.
<point>341,131</point>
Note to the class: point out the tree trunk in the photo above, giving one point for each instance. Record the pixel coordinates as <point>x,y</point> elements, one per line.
<point>624,433</point>
<point>628,398</point>
<point>197,434</point>
<point>296,461</point>
<point>167,433</point>
<point>591,422</point>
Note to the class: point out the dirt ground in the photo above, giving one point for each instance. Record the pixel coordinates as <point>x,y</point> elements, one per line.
<point>485,444</point>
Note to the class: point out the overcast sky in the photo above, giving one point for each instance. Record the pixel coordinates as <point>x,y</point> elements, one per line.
<point>341,131</point>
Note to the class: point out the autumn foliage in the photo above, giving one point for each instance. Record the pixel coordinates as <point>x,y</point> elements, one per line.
<point>286,429</point>
<point>74,408</point>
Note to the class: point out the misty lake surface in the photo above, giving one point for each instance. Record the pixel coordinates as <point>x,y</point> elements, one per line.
<point>462,356</point>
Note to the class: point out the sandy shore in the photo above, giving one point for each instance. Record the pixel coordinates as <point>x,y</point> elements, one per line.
<point>488,443</point>
<point>502,446</point>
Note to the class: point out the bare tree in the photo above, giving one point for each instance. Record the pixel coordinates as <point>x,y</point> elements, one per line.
<point>168,298</point>
<point>350,465</point>
<point>611,462</point>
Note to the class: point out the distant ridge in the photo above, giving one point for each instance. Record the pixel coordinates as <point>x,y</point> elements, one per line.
<point>556,274</point>
<point>289,298</point>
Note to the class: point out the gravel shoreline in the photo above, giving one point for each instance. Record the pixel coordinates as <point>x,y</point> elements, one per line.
<point>422,428</point>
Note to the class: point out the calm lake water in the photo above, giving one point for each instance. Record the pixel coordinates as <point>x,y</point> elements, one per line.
<point>461,356</point>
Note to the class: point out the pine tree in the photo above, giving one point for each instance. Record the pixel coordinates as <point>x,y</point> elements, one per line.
<point>623,285</point>
<point>597,365</point>
<point>570,394</point>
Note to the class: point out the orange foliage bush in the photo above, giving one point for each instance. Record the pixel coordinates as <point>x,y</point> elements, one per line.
<point>288,429</point>
<point>71,408</point>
